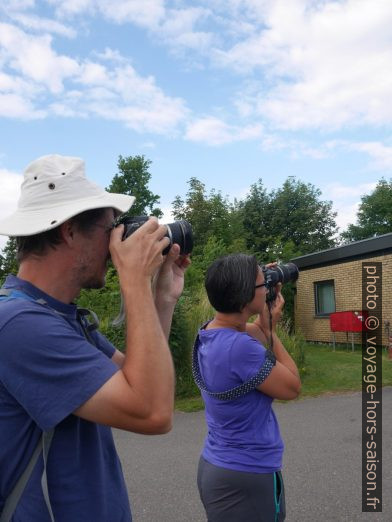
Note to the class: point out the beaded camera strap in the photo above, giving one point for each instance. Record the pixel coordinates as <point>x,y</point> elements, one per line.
<point>237,391</point>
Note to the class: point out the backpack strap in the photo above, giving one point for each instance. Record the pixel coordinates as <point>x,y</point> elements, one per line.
<point>11,293</point>
<point>43,445</point>
<point>82,314</point>
<point>237,391</point>
<point>88,326</point>
<point>17,491</point>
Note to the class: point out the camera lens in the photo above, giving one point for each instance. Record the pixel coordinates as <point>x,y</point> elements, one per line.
<point>179,232</point>
<point>279,274</point>
<point>286,273</point>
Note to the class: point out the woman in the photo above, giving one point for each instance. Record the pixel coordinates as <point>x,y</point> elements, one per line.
<point>239,475</point>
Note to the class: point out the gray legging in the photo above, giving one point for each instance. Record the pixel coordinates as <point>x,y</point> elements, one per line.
<point>236,496</point>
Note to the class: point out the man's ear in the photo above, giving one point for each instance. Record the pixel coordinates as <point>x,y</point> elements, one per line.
<point>67,230</point>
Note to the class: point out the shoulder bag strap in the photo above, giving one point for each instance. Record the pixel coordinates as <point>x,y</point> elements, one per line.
<point>237,391</point>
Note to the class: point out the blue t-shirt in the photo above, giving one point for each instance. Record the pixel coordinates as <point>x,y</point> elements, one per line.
<point>47,370</point>
<point>243,434</point>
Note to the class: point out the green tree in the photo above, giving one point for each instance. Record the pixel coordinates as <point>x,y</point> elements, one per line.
<point>255,213</point>
<point>133,178</point>
<point>298,215</point>
<point>8,262</point>
<point>209,214</point>
<point>374,216</point>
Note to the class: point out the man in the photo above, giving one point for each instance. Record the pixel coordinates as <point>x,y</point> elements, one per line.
<point>55,371</point>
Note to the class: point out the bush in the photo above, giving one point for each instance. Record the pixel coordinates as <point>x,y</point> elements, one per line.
<point>106,303</point>
<point>294,342</point>
<point>193,309</point>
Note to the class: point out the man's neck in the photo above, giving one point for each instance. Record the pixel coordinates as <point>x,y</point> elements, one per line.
<point>52,281</point>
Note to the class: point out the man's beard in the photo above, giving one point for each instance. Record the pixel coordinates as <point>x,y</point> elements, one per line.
<point>88,280</point>
<point>94,284</point>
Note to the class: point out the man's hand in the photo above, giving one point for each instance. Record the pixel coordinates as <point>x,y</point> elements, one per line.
<point>169,284</point>
<point>140,255</point>
<point>169,279</point>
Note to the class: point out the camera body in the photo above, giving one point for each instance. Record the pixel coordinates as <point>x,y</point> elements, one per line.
<point>179,232</point>
<point>279,274</point>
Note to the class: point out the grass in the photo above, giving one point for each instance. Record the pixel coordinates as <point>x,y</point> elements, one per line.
<point>326,371</point>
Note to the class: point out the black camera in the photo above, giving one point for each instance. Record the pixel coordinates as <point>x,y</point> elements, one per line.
<point>179,232</point>
<point>279,274</point>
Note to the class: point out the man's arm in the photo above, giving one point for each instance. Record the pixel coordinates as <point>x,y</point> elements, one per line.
<point>168,285</point>
<point>140,396</point>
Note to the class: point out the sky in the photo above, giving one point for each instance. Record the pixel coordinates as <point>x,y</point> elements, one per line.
<point>225,91</point>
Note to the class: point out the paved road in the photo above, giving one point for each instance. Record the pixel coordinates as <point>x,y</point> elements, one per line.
<point>322,463</point>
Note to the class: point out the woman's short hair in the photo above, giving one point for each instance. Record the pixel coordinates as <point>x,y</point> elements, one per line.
<point>38,244</point>
<point>230,282</point>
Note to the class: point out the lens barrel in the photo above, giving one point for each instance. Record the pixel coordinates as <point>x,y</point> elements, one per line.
<point>179,232</point>
<point>279,274</point>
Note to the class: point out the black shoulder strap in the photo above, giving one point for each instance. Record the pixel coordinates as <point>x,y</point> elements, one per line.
<point>238,391</point>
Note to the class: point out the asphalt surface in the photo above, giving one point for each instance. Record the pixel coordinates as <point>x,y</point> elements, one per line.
<point>321,467</point>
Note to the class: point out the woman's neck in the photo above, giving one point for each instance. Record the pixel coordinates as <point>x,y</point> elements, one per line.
<point>235,321</point>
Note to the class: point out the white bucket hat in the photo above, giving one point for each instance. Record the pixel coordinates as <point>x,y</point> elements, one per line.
<point>54,189</point>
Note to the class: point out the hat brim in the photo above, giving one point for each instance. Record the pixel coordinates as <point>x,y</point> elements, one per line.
<point>30,222</point>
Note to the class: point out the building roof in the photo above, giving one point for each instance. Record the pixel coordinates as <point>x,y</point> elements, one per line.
<point>365,248</point>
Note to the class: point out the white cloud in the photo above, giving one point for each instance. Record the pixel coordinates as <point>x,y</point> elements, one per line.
<point>15,106</point>
<point>213,131</point>
<point>325,64</point>
<point>178,29</point>
<point>346,215</point>
<point>92,74</point>
<point>381,154</point>
<point>112,89</point>
<point>174,26</point>
<point>148,13</point>
<point>338,191</point>
<point>72,7</point>
<point>44,25</point>
<point>297,148</point>
<point>346,200</point>
<point>9,193</point>
<point>308,64</point>
<point>33,57</point>
<point>121,94</point>
<point>17,5</point>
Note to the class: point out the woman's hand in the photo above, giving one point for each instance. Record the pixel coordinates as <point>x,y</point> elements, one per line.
<point>276,310</point>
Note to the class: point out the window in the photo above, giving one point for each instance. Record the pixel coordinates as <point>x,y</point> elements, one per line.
<point>324,292</point>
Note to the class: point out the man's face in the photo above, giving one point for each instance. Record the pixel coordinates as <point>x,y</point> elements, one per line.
<point>93,256</point>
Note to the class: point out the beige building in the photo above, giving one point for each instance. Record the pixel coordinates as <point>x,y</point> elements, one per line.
<point>331,281</point>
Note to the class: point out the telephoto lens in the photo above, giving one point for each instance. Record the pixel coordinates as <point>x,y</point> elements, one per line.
<point>279,274</point>
<point>179,232</point>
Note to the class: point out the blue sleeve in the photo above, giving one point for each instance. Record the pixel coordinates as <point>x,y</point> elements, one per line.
<point>48,367</point>
<point>103,344</point>
<point>247,357</point>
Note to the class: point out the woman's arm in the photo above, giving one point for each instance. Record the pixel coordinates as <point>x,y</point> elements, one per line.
<point>284,381</point>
